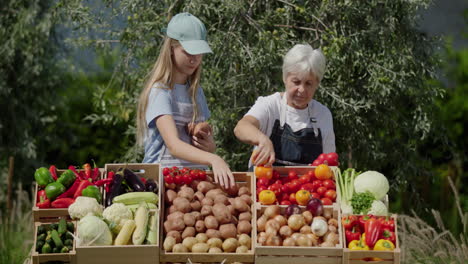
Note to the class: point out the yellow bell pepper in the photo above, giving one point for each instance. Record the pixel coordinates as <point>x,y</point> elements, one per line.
<point>357,245</point>
<point>385,245</point>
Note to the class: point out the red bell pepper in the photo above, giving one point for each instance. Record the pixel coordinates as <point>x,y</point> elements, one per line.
<point>373,229</point>
<point>42,200</point>
<point>349,221</point>
<point>62,202</point>
<point>388,234</point>
<point>71,191</point>
<point>363,219</point>
<point>53,171</point>
<point>352,235</point>
<point>389,223</point>
<point>81,187</point>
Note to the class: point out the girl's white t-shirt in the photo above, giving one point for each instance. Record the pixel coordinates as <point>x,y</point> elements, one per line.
<point>267,109</point>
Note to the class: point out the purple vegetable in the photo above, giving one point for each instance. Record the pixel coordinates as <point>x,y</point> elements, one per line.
<point>315,206</point>
<point>292,209</point>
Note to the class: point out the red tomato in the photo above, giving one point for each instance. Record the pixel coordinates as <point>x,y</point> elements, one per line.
<point>308,186</point>
<point>285,202</point>
<point>315,195</point>
<point>175,168</point>
<point>292,175</point>
<point>304,179</point>
<point>276,175</point>
<point>321,157</point>
<point>332,159</point>
<point>263,182</point>
<point>311,174</point>
<point>184,170</point>
<point>187,179</point>
<point>276,188</point>
<point>278,182</point>
<point>260,189</point>
<point>284,196</point>
<point>166,171</point>
<point>329,184</point>
<point>169,179</point>
<point>326,201</point>
<point>202,175</point>
<point>292,198</point>
<point>321,191</point>
<point>285,188</point>
<point>330,194</point>
<point>179,179</point>
<point>317,162</point>
<point>295,185</point>
<point>317,184</point>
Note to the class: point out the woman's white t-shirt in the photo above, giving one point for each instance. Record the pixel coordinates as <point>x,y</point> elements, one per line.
<point>267,109</point>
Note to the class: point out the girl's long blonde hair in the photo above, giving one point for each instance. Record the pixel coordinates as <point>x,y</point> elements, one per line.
<point>162,72</point>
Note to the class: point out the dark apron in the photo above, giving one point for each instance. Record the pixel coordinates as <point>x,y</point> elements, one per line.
<point>298,148</point>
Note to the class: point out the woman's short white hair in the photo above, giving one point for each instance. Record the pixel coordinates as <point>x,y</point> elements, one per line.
<point>303,60</point>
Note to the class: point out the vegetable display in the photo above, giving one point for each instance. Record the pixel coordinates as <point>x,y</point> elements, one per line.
<point>55,238</point>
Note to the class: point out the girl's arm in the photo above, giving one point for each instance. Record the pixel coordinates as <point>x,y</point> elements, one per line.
<point>182,150</point>
<point>247,130</point>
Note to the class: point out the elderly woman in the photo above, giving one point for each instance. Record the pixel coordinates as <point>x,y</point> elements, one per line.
<point>290,128</point>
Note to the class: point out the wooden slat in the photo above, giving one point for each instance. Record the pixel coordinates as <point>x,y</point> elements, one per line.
<point>297,260</point>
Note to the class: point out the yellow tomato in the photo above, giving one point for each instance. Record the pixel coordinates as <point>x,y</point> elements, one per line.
<point>302,197</point>
<point>264,172</point>
<point>323,172</point>
<point>267,197</point>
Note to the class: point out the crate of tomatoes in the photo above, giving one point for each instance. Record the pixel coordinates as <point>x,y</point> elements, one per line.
<point>370,238</point>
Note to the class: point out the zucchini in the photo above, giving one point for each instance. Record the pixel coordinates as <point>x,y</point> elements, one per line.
<point>136,198</point>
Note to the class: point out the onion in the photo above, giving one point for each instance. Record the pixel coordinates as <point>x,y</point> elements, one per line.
<point>261,222</point>
<point>273,241</point>
<point>315,206</point>
<point>292,209</point>
<point>296,221</point>
<point>289,242</point>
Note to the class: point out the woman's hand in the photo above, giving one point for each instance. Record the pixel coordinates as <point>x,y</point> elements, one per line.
<point>204,141</point>
<point>264,154</point>
<point>222,174</point>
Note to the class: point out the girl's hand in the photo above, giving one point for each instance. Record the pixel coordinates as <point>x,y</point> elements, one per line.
<point>264,154</point>
<point>204,141</point>
<point>222,174</point>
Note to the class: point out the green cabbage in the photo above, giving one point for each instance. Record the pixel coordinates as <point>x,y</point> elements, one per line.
<point>372,181</point>
<point>93,231</point>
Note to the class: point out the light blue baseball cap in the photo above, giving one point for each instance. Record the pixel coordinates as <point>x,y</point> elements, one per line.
<point>190,32</point>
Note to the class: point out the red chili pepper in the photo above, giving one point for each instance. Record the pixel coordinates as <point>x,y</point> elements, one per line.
<point>102,182</point>
<point>42,200</point>
<point>388,235</point>
<point>87,170</point>
<point>72,168</point>
<point>110,175</point>
<point>71,191</point>
<point>349,221</point>
<point>363,219</point>
<point>62,203</point>
<point>143,179</point>
<point>389,223</point>
<point>373,229</point>
<point>352,235</point>
<point>53,171</point>
<point>95,174</point>
<point>81,187</point>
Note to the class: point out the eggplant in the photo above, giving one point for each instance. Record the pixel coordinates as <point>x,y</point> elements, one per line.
<point>133,181</point>
<point>151,186</point>
<point>115,189</point>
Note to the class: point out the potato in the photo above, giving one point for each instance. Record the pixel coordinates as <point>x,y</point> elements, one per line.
<point>169,243</point>
<point>172,209</point>
<point>207,201</point>
<point>189,242</point>
<point>201,237</point>
<point>272,211</point>
<point>230,245</point>
<point>261,223</point>
<point>244,227</point>
<point>240,205</point>
<point>215,250</point>
<point>221,199</point>
<point>245,240</point>
<point>189,219</point>
<point>170,196</point>
<point>206,210</point>
<point>205,186</point>
<point>214,242</point>
<point>243,190</point>
<point>213,193</point>
<point>198,196</point>
<point>176,235</point>
<point>179,248</point>
<point>187,193</point>
<point>211,222</point>
<point>222,214</point>
<point>232,190</point>
<point>174,224</point>
<point>247,199</point>
<point>195,205</point>
<point>200,226</point>
<point>228,230</point>
<point>245,216</point>
<point>242,249</point>
<point>197,215</point>
<point>188,232</point>
<point>231,209</point>
<point>182,204</point>
<point>175,215</point>
<point>200,248</point>
<point>213,233</point>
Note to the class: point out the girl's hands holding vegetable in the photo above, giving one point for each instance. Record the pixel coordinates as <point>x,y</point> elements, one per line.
<point>222,174</point>
<point>204,141</point>
<point>264,154</point>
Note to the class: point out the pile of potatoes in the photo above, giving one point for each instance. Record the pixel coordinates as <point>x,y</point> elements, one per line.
<point>203,218</point>
<point>303,230</point>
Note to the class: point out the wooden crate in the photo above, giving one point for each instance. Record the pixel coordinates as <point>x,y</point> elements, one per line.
<point>141,254</point>
<point>242,179</point>
<point>301,255</point>
<point>51,214</point>
<point>43,258</point>
<point>360,257</point>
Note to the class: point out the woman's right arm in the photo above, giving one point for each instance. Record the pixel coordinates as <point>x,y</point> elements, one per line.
<point>182,150</point>
<point>247,130</point>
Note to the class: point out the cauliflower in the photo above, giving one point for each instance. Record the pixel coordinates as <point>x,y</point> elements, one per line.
<point>378,208</point>
<point>117,214</point>
<point>84,205</point>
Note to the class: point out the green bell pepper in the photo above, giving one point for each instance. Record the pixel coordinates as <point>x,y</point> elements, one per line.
<point>67,178</point>
<point>92,191</point>
<point>43,177</point>
<point>54,189</point>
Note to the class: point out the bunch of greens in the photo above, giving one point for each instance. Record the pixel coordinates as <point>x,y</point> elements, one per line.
<point>362,202</point>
